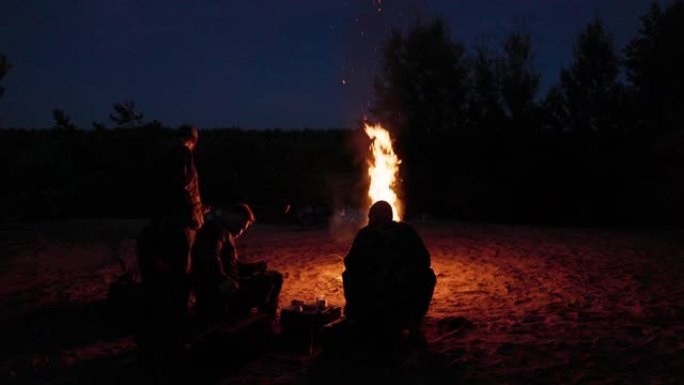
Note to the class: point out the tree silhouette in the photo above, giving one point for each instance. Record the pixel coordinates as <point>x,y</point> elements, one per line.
<point>589,86</point>
<point>484,105</point>
<point>421,96</point>
<point>421,88</point>
<point>4,68</point>
<point>555,110</point>
<point>519,79</point>
<point>62,120</point>
<point>654,61</point>
<point>125,115</point>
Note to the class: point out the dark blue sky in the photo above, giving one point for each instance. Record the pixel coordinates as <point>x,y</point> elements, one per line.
<point>252,63</point>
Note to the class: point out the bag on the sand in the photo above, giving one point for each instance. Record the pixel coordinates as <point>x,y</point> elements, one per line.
<point>301,324</point>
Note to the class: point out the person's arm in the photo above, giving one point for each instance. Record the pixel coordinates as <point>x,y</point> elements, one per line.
<point>251,268</point>
<point>216,267</point>
<point>229,282</point>
<point>192,193</point>
<point>229,258</point>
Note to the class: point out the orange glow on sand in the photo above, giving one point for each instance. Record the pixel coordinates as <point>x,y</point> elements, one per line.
<point>383,168</point>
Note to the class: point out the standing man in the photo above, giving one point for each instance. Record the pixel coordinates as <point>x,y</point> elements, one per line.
<point>163,250</point>
<point>180,195</point>
<point>180,210</point>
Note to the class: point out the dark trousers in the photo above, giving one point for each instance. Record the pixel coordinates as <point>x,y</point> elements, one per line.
<point>391,304</point>
<point>163,250</point>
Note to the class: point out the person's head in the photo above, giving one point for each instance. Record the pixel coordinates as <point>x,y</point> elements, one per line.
<point>189,135</point>
<point>245,217</point>
<point>235,219</point>
<point>380,212</point>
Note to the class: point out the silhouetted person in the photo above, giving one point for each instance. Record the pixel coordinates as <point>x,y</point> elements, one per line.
<point>388,282</point>
<point>163,250</point>
<point>164,245</point>
<point>224,285</point>
<point>179,197</point>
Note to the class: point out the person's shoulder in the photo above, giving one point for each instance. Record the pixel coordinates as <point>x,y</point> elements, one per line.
<point>402,226</point>
<point>365,229</point>
<point>405,229</point>
<point>371,231</point>
<point>183,150</point>
<point>210,225</point>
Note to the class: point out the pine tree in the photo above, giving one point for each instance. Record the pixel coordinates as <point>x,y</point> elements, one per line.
<point>4,68</point>
<point>125,115</point>
<point>421,96</point>
<point>519,79</point>
<point>62,120</point>
<point>654,61</point>
<point>484,105</point>
<point>590,85</point>
<point>422,85</point>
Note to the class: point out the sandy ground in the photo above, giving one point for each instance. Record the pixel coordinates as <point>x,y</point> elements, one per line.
<point>512,304</point>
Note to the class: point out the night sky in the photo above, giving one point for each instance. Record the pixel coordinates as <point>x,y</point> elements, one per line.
<point>252,64</point>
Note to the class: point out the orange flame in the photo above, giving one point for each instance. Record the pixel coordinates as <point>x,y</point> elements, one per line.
<point>383,168</point>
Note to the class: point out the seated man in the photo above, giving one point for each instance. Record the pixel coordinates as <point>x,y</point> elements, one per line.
<point>223,285</point>
<point>388,282</point>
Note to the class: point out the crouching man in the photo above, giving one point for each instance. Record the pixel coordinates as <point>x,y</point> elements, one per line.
<point>388,282</point>
<point>224,286</point>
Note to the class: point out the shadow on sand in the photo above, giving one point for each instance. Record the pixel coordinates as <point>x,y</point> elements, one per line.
<point>62,327</point>
<point>354,357</point>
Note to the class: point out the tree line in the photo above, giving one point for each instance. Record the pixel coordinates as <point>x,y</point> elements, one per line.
<point>56,174</point>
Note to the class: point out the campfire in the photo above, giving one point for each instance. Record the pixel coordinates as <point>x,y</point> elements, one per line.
<point>383,166</point>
